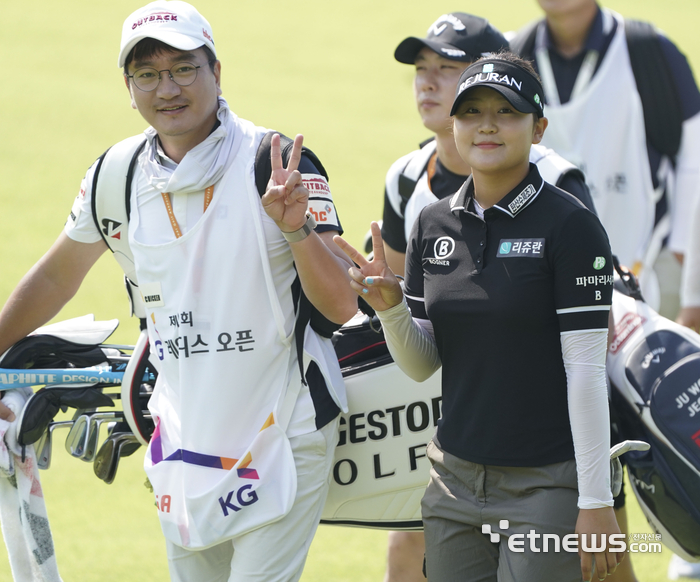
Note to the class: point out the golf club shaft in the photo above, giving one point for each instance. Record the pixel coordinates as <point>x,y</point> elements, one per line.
<point>11,379</point>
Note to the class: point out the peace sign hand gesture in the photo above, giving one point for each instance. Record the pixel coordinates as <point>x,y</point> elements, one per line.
<point>286,198</point>
<point>372,280</point>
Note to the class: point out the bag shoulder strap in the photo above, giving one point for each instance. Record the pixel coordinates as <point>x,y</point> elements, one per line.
<point>523,43</point>
<point>414,169</point>
<point>111,197</point>
<point>111,204</point>
<point>663,117</point>
<point>306,312</point>
<point>263,164</point>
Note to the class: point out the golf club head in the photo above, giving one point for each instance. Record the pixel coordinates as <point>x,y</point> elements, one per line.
<point>77,439</point>
<point>96,420</point>
<point>104,458</point>
<point>126,446</point>
<point>43,447</point>
<point>107,458</point>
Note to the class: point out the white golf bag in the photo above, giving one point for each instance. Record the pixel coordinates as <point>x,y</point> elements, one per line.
<point>654,370</point>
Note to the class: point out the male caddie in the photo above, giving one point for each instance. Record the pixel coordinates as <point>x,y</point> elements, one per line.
<point>243,445</point>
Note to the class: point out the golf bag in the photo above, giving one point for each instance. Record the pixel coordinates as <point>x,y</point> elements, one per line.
<point>654,370</point>
<point>83,373</point>
<point>380,470</point>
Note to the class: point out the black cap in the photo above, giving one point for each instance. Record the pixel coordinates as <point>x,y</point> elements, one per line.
<point>520,87</point>
<point>456,36</point>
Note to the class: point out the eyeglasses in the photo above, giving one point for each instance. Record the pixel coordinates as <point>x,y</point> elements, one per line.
<point>184,74</point>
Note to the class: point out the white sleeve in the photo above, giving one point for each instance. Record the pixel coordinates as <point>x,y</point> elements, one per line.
<point>686,188</point>
<point>80,225</point>
<point>584,361</point>
<point>410,342</point>
<point>690,288</point>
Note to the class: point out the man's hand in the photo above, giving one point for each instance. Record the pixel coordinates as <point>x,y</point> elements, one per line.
<point>6,413</point>
<point>690,317</point>
<point>599,522</point>
<point>286,198</point>
<point>373,280</point>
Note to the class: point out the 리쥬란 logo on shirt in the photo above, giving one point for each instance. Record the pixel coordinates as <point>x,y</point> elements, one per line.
<point>520,247</point>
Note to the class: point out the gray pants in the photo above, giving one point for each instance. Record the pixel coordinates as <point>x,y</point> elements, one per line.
<point>462,497</point>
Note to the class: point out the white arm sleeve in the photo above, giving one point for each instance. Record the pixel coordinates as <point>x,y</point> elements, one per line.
<point>410,342</point>
<point>686,188</point>
<point>690,288</point>
<point>584,361</point>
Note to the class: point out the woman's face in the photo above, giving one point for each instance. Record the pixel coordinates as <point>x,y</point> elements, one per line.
<point>491,135</point>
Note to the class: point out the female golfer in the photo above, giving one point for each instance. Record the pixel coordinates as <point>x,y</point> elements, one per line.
<point>508,287</point>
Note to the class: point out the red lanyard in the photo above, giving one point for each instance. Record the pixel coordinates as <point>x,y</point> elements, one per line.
<point>208,195</point>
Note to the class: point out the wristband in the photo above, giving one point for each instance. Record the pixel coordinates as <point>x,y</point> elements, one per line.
<point>303,232</point>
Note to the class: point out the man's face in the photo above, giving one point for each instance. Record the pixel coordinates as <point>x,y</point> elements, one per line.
<point>434,87</point>
<point>563,7</point>
<point>183,115</point>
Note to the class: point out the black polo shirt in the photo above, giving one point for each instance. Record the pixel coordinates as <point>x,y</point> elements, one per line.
<point>499,291</point>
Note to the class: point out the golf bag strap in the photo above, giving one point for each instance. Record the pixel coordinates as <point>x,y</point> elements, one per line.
<point>111,203</point>
<point>414,169</point>
<point>523,43</point>
<point>263,171</point>
<point>663,113</point>
<point>629,281</point>
<point>263,163</point>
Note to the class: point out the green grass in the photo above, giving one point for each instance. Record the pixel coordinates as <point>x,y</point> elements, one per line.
<point>324,69</point>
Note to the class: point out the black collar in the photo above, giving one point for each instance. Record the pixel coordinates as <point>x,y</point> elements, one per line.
<point>511,204</point>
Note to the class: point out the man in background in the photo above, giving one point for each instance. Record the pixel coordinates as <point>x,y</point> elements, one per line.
<point>624,107</point>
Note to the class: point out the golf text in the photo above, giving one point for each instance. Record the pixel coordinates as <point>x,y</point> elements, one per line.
<point>33,379</point>
<point>419,418</point>
<point>536,542</point>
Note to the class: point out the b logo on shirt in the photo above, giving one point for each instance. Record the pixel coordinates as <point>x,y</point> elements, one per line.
<point>444,247</point>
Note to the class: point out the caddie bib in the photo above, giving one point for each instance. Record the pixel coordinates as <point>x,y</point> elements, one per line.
<point>601,130</point>
<point>219,459</point>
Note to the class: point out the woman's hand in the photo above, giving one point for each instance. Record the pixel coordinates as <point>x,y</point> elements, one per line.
<point>373,280</point>
<point>598,522</point>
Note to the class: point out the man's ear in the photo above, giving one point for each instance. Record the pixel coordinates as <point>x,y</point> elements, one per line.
<point>131,93</point>
<point>217,76</point>
<point>538,131</point>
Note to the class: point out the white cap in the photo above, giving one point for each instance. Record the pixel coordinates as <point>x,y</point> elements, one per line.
<point>176,23</point>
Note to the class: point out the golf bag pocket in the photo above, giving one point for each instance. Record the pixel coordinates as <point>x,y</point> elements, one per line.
<point>204,500</point>
<point>675,408</point>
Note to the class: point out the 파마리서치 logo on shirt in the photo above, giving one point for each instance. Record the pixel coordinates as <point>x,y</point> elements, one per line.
<point>599,263</point>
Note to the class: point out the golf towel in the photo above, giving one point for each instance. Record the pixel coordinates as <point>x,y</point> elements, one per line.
<point>25,524</point>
